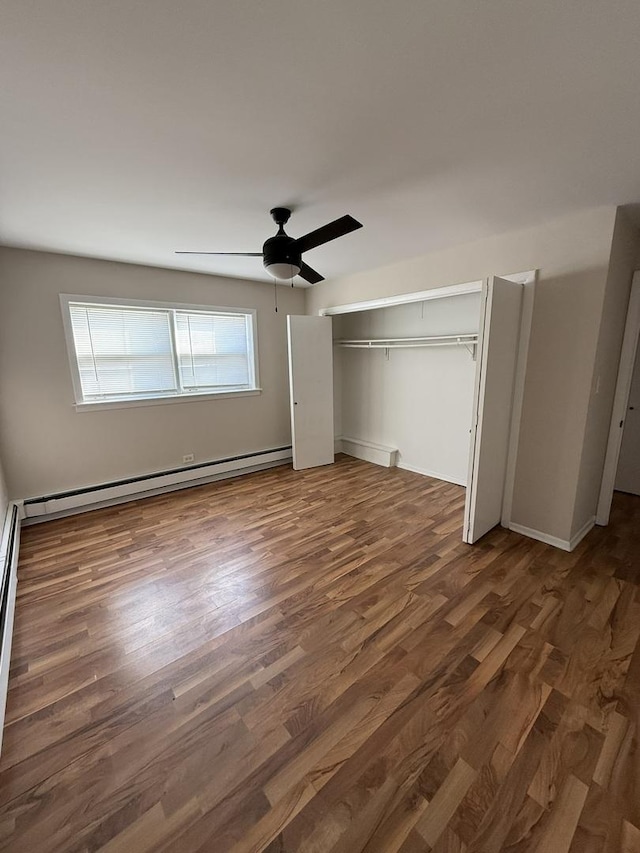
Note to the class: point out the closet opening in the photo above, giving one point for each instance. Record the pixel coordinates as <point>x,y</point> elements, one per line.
<point>403,383</point>
<point>430,382</point>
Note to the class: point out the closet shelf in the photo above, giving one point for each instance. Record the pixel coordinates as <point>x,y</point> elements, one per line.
<point>470,341</point>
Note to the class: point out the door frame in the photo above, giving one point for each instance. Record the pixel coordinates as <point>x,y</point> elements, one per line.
<point>620,402</point>
<point>529,279</point>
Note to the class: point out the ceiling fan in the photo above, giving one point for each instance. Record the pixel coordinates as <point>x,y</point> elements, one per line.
<point>282,254</point>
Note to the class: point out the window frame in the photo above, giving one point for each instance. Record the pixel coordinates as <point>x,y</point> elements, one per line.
<point>82,405</point>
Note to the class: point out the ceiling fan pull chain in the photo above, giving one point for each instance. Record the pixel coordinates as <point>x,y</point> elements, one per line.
<point>275,294</point>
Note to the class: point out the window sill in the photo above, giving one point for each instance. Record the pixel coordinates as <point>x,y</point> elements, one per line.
<point>134,402</point>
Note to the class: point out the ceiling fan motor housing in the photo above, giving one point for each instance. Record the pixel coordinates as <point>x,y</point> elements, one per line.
<point>280,258</point>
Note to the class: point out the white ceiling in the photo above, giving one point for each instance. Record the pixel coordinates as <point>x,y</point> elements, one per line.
<point>130,129</point>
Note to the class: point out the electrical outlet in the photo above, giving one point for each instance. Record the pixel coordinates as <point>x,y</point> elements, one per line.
<point>188,457</point>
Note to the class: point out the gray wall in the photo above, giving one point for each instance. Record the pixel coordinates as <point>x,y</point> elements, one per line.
<point>47,446</point>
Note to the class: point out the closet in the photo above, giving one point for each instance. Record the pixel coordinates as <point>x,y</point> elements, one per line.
<point>427,384</point>
<point>404,380</point>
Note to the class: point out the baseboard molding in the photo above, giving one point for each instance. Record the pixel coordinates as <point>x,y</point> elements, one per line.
<point>435,474</point>
<point>577,538</point>
<point>379,454</point>
<point>9,547</point>
<point>564,544</point>
<point>48,507</point>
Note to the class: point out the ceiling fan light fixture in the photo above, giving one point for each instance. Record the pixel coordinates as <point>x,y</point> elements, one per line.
<point>283,272</point>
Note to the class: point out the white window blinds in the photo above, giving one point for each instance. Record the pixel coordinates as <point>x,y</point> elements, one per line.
<point>212,350</point>
<point>122,351</point>
<point>127,352</point>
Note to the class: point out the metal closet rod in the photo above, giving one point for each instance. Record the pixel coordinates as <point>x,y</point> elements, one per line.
<point>398,343</point>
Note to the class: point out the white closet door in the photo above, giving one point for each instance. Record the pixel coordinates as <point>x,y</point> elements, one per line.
<point>493,398</point>
<point>311,390</point>
<point>628,474</point>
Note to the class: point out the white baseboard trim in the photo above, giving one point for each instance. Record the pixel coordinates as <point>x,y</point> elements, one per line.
<point>435,474</point>
<point>379,454</point>
<point>564,544</point>
<point>577,538</point>
<point>9,547</point>
<point>76,501</point>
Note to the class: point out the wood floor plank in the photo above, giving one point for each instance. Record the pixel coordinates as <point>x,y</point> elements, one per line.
<point>314,661</point>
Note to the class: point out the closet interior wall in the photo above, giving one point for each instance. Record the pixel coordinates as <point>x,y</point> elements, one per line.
<point>416,399</point>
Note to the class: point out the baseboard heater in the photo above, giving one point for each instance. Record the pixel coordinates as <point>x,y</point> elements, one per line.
<point>379,454</point>
<point>9,545</point>
<point>76,500</point>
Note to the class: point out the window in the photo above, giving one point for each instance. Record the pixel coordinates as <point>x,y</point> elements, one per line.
<point>131,351</point>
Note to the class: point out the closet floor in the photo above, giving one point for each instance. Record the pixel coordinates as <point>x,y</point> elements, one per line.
<point>313,661</point>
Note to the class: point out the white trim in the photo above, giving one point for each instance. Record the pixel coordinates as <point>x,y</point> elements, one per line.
<point>113,403</point>
<point>404,298</point>
<point>436,475</point>
<point>369,451</point>
<point>7,637</point>
<point>98,496</point>
<point>564,544</point>
<point>5,529</point>
<point>126,302</point>
<point>529,280</point>
<point>98,405</point>
<point>527,277</point>
<point>579,536</point>
<point>620,403</point>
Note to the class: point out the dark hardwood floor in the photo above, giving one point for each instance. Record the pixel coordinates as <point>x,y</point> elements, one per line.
<point>315,662</point>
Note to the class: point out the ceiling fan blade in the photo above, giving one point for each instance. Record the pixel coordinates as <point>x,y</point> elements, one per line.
<point>309,274</point>
<point>331,231</point>
<point>233,254</point>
